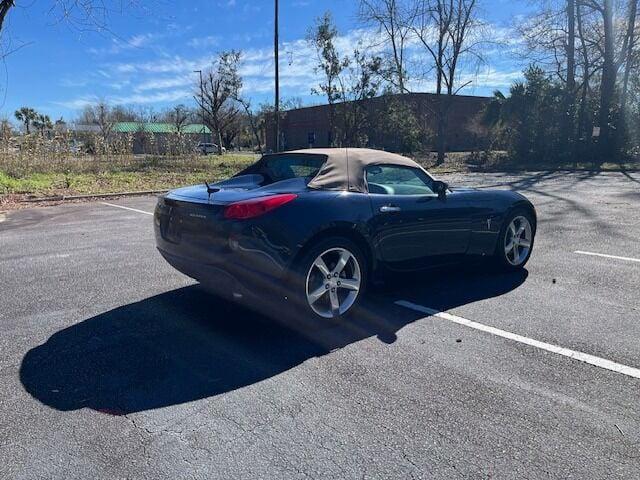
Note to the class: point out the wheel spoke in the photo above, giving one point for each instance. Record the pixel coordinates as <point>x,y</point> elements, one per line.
<point>344,258</point>
<point>317,294</point>
<point>524,243</point>
<point>350,284</point>
<point>521,229</point>
<point>512,227</point>
<point>320,265</point>
<point>516,254</point>
<point>511,245</point>
<point>335,302</point>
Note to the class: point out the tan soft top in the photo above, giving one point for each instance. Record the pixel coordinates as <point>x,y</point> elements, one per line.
<point>345,167</point>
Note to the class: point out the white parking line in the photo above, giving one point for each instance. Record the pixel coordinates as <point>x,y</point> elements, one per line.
<point>628,259</point>
<point>583,357</point>
<point>126,208</point>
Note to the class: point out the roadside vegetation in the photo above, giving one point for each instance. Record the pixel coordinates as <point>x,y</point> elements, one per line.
<point>44,167</point>
<point>92,176</point>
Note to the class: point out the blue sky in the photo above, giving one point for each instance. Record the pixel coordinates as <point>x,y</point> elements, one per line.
<point>147,57</point>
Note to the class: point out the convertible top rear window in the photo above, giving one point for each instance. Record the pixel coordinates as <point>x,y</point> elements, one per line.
<point>285,166</point>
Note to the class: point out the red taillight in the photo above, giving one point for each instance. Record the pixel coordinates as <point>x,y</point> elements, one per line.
<point>257,206</point>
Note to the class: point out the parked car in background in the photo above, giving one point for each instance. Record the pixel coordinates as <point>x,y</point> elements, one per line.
<point>208,148</point>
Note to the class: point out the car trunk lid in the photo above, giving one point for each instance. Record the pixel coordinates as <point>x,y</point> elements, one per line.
<point>236,189</point>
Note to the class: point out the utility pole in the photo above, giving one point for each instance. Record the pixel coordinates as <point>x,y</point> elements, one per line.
<point>275,51</point>
<point>204,139</point>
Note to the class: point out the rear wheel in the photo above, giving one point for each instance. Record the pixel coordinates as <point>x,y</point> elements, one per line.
<point>515,242</point>
<point>332,277</point>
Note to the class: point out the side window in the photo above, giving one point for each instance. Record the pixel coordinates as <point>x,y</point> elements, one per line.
<point>398,180</point>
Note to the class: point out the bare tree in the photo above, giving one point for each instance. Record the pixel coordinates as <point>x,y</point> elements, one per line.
<point>252,119</point>
<point>233,63</point>
<point>389,18</point>
<point>609,74</point>
<point>588,67</point>
<point>616,46</point>
<point>5,6</point>
<point>120,113</point>
<point>451,34</point>
<point>630,58</point>
<point>570,91</point>
<point>100,114</point>
<point>82,14</point>
<point>219,86</point>
<point>179,117</point>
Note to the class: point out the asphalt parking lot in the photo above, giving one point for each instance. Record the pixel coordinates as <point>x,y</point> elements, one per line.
<point>113,365</point>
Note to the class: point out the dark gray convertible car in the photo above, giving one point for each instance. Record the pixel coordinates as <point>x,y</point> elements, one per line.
<point>314,227</point>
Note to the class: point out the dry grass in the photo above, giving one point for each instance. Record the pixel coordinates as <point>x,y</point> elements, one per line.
<point>38,166</point>
<point>95,176</point>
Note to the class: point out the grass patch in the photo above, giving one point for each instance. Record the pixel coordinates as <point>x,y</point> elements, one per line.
<point>95,176</point>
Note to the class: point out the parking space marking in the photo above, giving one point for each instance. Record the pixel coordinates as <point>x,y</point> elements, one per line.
<point>126,208</point>
<point>593,254</point>
<point>566,352</point>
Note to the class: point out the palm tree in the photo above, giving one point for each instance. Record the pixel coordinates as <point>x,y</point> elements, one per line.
<point>27,116</point>
<point>42,123</point>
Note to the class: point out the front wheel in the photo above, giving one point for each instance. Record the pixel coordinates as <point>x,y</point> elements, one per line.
<point>515,242</point>
<point>333,276</point>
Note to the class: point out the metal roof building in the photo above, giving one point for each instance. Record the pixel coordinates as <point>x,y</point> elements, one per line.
<point>160,128</point>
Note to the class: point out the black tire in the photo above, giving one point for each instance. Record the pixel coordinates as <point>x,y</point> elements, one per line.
<point>302,271</point>
<point>500,257</point>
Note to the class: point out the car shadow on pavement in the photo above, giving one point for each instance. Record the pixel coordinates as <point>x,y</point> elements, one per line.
<point>186,344</point>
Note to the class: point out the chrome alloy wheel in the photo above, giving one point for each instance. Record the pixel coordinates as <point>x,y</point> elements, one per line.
<point>517,241</point>
<point>333,282</point>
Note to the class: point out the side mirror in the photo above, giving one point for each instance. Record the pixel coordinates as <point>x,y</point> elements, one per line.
<point>440,188</point>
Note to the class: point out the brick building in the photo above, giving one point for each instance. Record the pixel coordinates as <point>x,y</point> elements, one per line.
<point>309,126</point>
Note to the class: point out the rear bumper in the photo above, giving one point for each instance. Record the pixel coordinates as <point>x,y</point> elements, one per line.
<point>233,281</point>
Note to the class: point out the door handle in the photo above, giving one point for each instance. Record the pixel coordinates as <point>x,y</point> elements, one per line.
<point>389,208</point>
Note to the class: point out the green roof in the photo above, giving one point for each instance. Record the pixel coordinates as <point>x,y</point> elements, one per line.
<point>134,127</point>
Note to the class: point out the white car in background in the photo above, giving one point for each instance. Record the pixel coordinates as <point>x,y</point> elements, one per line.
<point>208,148</point>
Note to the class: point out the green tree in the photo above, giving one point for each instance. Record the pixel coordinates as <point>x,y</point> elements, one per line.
<point>396,125</point>
<point>529,122</point>
<point>27,116</point>
<point>42,123</point>
<point>331,64</point>
<point>348,82</point>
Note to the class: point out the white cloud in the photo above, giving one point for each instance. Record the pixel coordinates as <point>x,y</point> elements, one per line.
<point>162,78</point>
<point>131,99</point>
<point>78,103</point>
<point>158,97</point>
<point>119,45</point>
<point>166,83</point>
<point>201,42</point>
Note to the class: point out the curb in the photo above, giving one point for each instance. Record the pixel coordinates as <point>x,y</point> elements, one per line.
<point>62,198</point>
